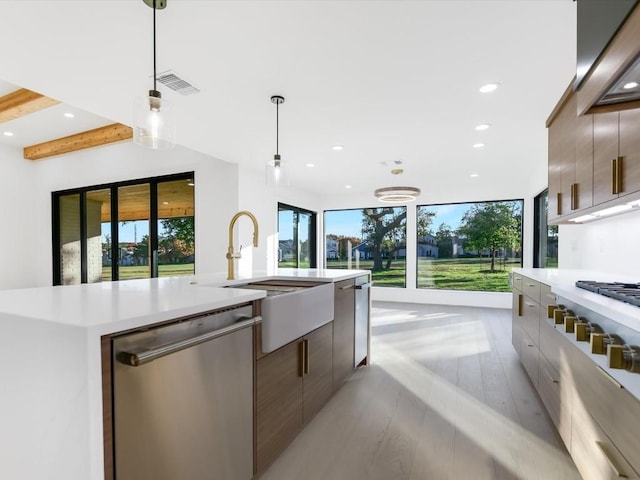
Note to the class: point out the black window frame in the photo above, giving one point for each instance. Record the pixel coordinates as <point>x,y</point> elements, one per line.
<point>113,187</point>
<point>313,239</point>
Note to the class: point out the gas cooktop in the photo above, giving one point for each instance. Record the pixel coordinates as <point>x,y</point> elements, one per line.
<point>625,292</point>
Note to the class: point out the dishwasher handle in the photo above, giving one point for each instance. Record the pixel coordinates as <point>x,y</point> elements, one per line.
<point>146,356</point>
<point>362,286</point>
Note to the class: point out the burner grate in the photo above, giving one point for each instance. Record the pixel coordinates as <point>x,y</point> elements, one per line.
<point>624,292</point>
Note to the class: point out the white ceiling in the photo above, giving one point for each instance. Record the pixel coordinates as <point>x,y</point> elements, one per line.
<point>389,80</point>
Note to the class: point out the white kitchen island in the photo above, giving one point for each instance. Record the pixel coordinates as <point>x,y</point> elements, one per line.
<point>51,397</point>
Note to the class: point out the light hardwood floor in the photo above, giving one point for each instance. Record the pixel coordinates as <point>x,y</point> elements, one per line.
<point>445,398</point>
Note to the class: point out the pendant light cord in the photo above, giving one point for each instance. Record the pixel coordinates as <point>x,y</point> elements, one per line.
<point>154,45</point>
<point>277,125</point>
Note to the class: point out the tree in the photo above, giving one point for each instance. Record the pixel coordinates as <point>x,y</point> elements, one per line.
<point>380,224</point>
<point>444,240</point>
<point>425,217</point>
<point>182,229</point>
<point>491,226</point>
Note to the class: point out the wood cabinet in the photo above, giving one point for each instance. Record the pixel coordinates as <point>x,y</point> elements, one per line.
<point>616,155</point>
<point>594,415</point>
<point>570,159</point>
<point>292,384</point>
<point>343,331</point>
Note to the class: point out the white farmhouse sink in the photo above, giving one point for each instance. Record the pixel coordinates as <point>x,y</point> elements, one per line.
<point>291,311</point>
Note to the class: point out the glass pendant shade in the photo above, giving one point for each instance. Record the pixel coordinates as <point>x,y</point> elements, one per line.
<point>154,125</point>
<point>276,172</point>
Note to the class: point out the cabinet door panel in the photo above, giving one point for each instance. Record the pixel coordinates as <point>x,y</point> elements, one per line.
<point>317,385</point>
<point>630,150</point>
<point>584,161</point>
<point>278,403</point>
<point>343,332</point>
<point>605,150</point>
<point>567,125</point>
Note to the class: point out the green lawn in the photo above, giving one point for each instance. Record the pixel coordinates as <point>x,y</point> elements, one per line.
<point>142,271</point>
<point>446,273</point>
<point>465,274</point>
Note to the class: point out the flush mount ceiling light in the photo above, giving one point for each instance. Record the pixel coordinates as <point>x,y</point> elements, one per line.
<point>396,194</point>
<point>483,126</point>
<point>276,174</point>
<point>489,87</point>
<point>154,124</point>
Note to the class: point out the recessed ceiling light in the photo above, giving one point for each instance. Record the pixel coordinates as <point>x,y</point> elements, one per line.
<point>482,126</point>
<point>474,175</point>
<point>8,134</point>
<point>478,145</point>
<point>310,165</point>
<point>337,148</point>
<point>489,87</point>
<point>630,85</point>
<point>191,184</point>
<point>347,186</point>
<point>165,203</point>
<point>69,115</point>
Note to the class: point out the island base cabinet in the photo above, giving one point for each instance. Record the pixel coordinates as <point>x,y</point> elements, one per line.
<point>278,403</point>
<point>595,455</point>
<point>343,332</point>
<point>317,384</point>
<point>292,384</point>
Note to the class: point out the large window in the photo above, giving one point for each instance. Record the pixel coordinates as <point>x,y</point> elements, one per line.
<point>369,239</point>
<point>136,229</point>
<point>545,236</point>
<point>469,246</point>
<point>296,237</point>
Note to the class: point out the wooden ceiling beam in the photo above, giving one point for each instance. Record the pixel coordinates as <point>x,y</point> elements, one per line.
<point>22,102</point>
<point>116,132</point>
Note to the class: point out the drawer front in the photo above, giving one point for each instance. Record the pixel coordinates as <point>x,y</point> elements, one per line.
<point>516,281</point>
<point>555,392</point>
<point>614,409</point>
<point>552,344</point>
<point>546,297</point>
<point>529,357</point>
<point>595,455</point>
<point>531,289</point>
<point>531,319</point>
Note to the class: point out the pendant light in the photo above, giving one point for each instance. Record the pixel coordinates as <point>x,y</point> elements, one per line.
<point>397,194</point>
<point>277,175</point>
<point>154,124</point>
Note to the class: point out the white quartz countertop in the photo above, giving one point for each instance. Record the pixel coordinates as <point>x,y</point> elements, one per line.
<point>562,283</point>
<point>109,307</point>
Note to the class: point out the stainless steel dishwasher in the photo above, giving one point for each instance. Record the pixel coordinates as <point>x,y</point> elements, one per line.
<point>183,399</point>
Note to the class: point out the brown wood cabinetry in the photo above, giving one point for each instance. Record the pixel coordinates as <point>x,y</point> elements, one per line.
<point>570,159</point>
<point>594,415</point>
<point>343,331</point>
<point>292,384</point>
<point>616,155</point>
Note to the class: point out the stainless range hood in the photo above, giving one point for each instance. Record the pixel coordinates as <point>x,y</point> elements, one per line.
<point>626,88</point>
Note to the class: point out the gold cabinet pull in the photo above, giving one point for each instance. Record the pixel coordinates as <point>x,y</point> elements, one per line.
<point>520,298</point>
<point>550,309</point>
<point>616,179</point>
<point>306,356</point>
<point>574,196</point>
<point>616,469</point>
<point>302,355</point>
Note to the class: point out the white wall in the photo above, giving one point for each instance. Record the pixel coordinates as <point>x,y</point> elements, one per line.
<point>608,245</point>
<point>17,220</point>
<point>215,193</point>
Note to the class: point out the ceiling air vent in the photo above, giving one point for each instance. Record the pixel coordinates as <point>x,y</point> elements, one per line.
<point>174,82</point>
